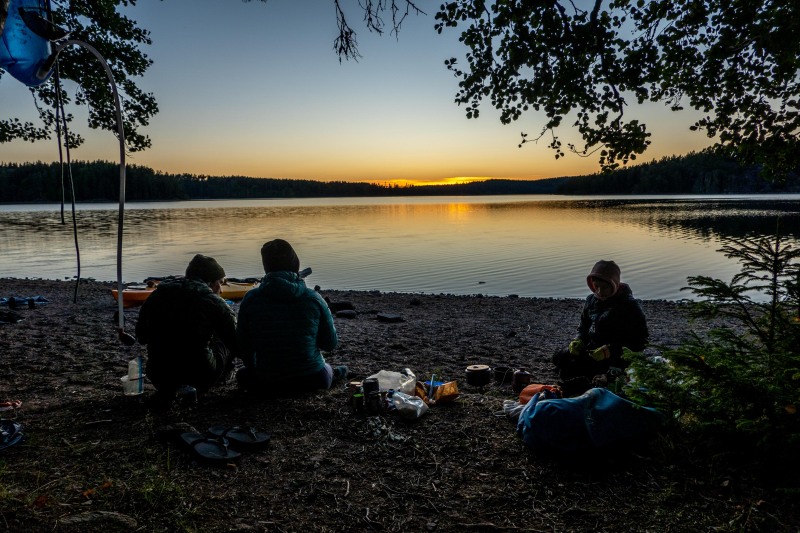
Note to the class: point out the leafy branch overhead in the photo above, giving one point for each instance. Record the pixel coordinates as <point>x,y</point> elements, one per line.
<point>587,62</point>
<point>118,39</point>
<point>346,43</point>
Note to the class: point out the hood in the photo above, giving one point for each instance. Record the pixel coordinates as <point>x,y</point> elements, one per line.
<point>282,285</point>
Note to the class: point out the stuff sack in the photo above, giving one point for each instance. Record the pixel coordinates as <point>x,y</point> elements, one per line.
<point>535,388</point>
<point>596,419</point>
<point>25,54</point>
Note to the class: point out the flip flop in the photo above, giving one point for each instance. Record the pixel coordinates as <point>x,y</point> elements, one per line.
<point>209,450</point>
<point>242,438</point>
<point>10,434</point>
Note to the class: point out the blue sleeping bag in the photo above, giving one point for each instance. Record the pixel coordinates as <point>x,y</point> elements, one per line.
<point>595,419</point>
<point>24,54</point>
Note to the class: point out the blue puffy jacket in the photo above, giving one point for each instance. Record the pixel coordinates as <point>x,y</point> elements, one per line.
<point>281,328</point>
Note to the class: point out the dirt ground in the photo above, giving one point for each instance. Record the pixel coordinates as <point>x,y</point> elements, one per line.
<point>95,460</point>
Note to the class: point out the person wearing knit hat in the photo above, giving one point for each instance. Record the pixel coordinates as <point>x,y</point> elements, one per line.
<point>282,329</point>
<point>189,330</point>
<point>205,269</point>
<point>611,320</point>
<point>278,255</point>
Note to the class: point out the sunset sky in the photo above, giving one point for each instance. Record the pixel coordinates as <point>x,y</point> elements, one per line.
<point>256,90</point>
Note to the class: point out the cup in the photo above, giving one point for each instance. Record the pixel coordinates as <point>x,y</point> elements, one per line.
<point>372,403</point>
<point>370,385</point>
<point>357,402</point>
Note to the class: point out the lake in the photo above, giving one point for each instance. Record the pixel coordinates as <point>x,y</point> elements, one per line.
<point>537,246</point>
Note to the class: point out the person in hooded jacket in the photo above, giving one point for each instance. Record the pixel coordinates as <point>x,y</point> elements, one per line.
<point>611,319</point>
<point>282,328</point>
<point>189,330</point>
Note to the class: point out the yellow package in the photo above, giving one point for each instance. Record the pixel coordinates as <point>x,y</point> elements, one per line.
<point>446,392</point>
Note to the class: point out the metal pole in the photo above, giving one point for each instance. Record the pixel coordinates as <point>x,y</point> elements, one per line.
<point>124,337</point>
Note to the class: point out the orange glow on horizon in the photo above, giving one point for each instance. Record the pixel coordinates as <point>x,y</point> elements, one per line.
<point>460,180</point>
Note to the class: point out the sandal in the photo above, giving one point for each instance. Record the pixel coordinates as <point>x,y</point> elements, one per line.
<point>209,450</point>
<point>242,438</point>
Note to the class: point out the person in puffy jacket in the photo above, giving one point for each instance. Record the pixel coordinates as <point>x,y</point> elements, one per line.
<point>282,328</point>
<point>189,330</point>
<point>611,319</point>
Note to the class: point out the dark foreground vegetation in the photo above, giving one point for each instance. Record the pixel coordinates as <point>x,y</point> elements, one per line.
<point>99,181</point>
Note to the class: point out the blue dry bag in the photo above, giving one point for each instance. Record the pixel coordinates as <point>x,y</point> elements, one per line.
<point>26,54</point>
<point>595,419</point>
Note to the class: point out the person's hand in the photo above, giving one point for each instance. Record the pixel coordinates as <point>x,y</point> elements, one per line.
<point>576,347</point>
<point>601,353</point>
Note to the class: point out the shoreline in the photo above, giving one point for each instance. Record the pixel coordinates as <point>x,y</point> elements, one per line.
<point>554,319</point>
<point>113,285</point>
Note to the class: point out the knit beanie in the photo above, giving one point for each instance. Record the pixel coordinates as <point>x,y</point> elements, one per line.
<point>607,271</point>
<point>278,255</point>
<point>204,268</point>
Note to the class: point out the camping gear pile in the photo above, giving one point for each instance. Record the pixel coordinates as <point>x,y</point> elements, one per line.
<point>390,392</point>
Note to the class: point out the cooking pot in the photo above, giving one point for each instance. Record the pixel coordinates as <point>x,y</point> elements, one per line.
<point>478,375</point>
<point>503,374</point>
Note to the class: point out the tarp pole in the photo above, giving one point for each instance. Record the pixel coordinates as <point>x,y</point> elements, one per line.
<point>121,217</point>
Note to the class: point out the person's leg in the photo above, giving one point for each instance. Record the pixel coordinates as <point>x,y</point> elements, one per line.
<point>321,379</point>
<point>207,372</point>
<point>164,384</point>
<point>574,372</point>
<point>223,360</point>
<point>338,372</point>
<point>567,365</point>
<point>245,378</point>
<point>160,372</point>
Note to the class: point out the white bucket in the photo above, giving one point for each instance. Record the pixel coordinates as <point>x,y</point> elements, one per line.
<point>132,387</point>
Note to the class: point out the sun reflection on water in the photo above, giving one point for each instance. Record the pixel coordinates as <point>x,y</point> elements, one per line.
<point>453,245</point>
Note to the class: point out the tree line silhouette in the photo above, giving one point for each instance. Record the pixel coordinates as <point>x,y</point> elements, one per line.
<point>696,173</point>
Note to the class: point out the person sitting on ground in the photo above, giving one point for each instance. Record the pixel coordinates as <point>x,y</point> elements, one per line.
<point>282,328</point>
<point>189,330</point>
<point>611,319</point>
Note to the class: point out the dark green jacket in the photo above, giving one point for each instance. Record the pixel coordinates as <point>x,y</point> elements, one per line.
<point>177,323</point>
<point>282,326</point>
<point>617,321</point>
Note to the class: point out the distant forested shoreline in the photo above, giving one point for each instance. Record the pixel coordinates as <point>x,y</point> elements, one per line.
<point>696,173</point>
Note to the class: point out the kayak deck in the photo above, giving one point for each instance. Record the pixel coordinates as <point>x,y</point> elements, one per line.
<point>136,295</point>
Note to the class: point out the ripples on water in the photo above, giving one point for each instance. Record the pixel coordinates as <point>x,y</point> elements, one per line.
<point>529,246</point>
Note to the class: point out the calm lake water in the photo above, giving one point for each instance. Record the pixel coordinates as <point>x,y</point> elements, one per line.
<point>539,246</point>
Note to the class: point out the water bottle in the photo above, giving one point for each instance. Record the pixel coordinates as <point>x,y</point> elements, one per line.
<point>134,384</point>
<point>134,372</point>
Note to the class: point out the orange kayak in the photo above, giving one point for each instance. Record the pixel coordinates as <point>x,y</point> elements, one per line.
<point>137,294</point>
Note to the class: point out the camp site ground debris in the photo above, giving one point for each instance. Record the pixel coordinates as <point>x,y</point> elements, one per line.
<point>91,459</point>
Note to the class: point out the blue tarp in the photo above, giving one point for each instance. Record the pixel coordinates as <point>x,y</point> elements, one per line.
<point>596,419</point>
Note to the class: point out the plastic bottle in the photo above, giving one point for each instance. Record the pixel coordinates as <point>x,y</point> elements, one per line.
<point>133,369</point>
<point>133,385</point>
